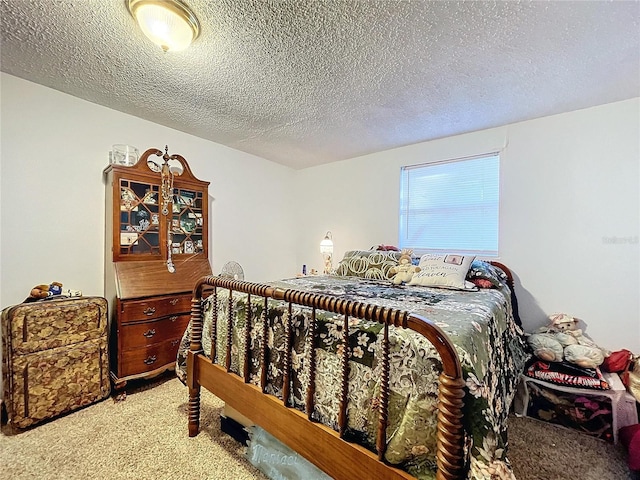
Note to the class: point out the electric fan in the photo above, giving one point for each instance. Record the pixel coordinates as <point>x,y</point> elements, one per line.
<point>232,270</point>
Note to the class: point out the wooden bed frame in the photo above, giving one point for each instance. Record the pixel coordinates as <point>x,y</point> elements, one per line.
<point>321,445</point>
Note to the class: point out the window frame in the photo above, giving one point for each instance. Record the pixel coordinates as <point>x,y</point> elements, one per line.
<point>405,214</point>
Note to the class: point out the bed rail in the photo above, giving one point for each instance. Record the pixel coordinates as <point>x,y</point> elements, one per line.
<point>450,436</point>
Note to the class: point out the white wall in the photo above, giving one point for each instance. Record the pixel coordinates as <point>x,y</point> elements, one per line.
<point>569,214</point>
<point>54,149</point>
<point>570,183</point>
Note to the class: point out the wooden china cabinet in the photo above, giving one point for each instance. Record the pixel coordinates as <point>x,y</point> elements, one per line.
<point>156,249</point>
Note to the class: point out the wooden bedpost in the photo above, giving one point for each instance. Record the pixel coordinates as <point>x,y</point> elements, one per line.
<point>195,348</point>
<point>450,436</point>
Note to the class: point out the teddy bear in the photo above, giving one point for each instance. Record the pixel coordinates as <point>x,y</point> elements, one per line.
<point>561,340</point>
<point>43,292</point>
<point>403,272</point>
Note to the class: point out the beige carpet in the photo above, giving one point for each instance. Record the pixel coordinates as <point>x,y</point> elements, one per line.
<point>543,451</point>
<point>145,437</point>
<point>142,437</point>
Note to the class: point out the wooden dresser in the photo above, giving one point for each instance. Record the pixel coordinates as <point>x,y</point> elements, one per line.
<point>157,245</point>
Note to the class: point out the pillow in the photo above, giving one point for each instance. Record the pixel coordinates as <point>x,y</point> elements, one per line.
<point>484,275</point>
<point>481,283</point>
<point>367,264</point>
<point>445,271</point>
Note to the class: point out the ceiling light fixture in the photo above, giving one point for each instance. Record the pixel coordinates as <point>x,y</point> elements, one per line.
<point>168,23</point>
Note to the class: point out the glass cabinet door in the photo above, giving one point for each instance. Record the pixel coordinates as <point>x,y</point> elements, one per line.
<point>139,218</point>
<point>186,230</point>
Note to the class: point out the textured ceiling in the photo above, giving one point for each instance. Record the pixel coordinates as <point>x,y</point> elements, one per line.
<point>305,82</point>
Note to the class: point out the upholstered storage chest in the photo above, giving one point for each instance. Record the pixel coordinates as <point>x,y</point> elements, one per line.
<point>55,357</point>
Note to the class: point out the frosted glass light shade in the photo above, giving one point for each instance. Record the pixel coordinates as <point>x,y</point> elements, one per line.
<point>168,23</point>
<point>326,245</point>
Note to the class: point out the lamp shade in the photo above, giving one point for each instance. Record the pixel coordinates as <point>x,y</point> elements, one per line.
<point>326,245</point>
<point>168,23</point>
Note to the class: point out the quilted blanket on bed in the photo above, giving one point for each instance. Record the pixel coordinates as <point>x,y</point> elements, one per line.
<point>490,345</point>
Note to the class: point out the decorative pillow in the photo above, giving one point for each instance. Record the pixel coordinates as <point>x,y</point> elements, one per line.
<point>481,283</point>
<point>367,264</point>
<point>445,271</point>
<point>484,275</point>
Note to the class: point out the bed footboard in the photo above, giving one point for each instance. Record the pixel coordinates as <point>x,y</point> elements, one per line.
<point>318,443</point>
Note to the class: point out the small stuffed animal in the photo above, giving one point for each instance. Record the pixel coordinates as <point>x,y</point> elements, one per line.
<point>562,340</point>
<point>40,292</point>
<point>43,292</point>
<point>403,272</point>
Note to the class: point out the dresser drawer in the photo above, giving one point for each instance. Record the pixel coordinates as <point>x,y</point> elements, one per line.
<point>155,307</point>
<point>136,335</point>
<point>146,359</point>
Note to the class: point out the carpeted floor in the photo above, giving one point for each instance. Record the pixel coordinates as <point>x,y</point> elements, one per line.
<point>543,451</point>
<point>145,437</point>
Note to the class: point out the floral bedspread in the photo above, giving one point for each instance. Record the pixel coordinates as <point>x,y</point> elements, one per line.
<point>490,345</point>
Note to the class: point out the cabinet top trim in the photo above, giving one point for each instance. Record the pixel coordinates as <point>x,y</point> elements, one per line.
<point>141,168</point>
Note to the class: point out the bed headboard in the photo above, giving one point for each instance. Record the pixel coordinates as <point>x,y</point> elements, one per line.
<point>511,283</point>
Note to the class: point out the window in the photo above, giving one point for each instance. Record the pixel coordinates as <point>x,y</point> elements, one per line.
<point>451,206</point>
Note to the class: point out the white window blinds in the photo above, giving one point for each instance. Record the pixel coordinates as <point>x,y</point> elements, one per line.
<point>451,206</point>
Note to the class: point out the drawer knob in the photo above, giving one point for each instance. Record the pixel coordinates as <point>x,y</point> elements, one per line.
<point>174,318</point>
<point>173,301</point>
<point>175,342</point>
<point>149,333</point>
<point>150,310</point>
<point>151,359</point>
